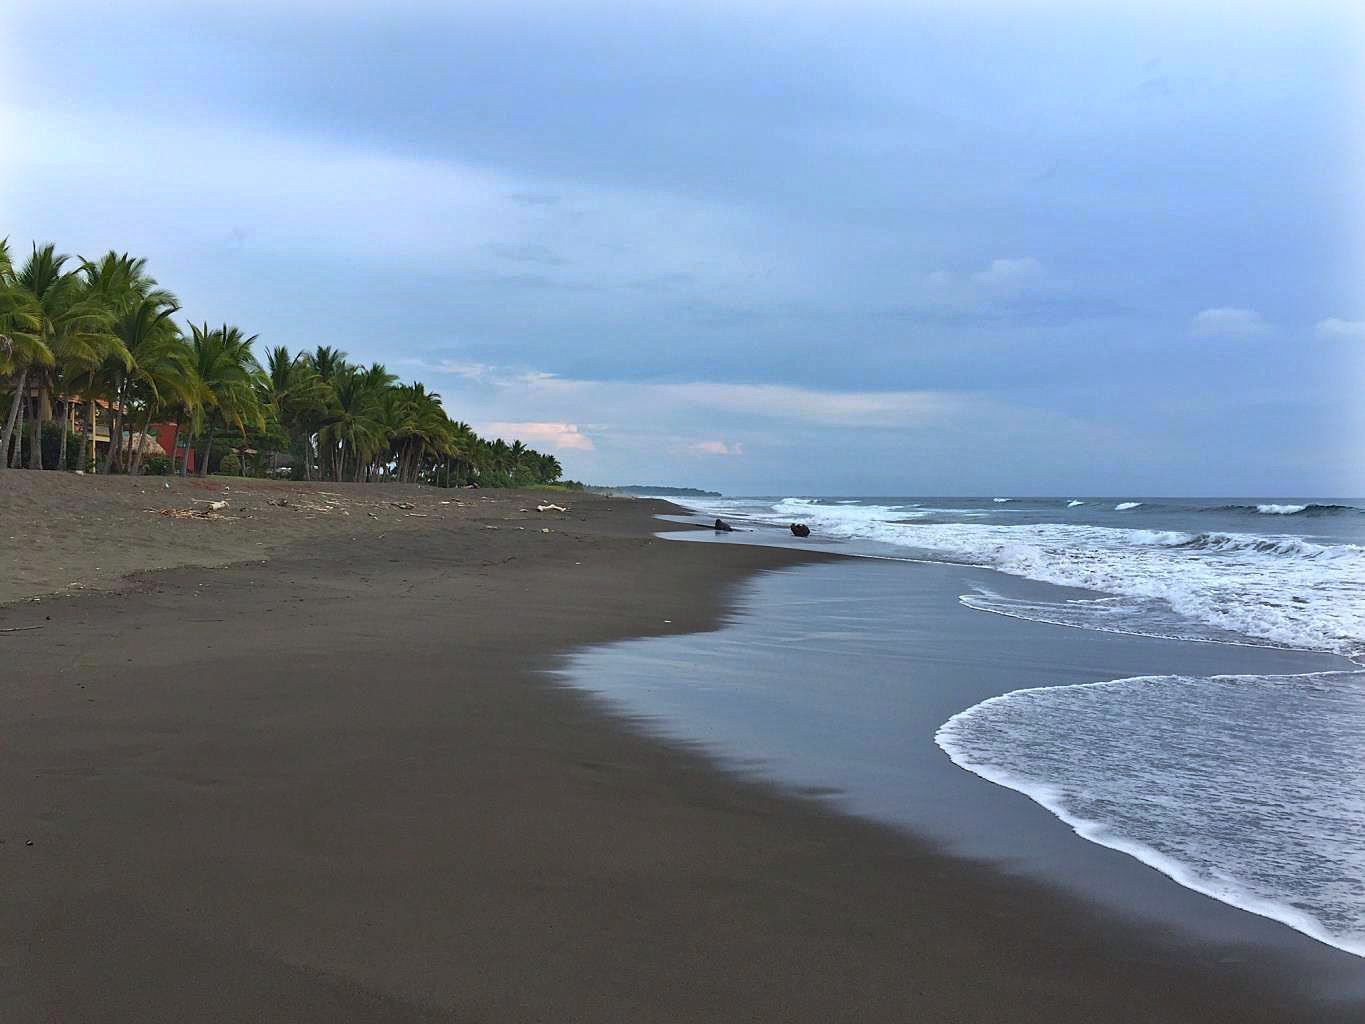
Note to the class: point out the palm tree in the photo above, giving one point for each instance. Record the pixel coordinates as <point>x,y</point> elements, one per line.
<point>417,427</point>
<point>229,378</point>
<point>355,431</point>
<point>548,469</point>
<point>141,314</point>
<point>67,331</point>
<point>163,379</point>
<point>298,397</point>
<point>19,348</point>
<point>462,452</point>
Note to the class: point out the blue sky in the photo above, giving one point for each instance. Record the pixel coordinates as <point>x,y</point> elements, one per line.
<point>763,247</point>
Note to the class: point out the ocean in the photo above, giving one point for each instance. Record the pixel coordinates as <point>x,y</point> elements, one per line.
<point>1178,680</point>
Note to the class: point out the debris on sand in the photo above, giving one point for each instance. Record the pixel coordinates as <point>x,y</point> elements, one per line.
<point>551,508</point>
<point>189,513</point>
<point>402,504</point>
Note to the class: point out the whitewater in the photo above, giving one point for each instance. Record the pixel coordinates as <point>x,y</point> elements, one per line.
<point>1249,789</point>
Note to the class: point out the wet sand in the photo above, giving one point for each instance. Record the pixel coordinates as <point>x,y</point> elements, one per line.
<point>774,694</point>
<point>340,786</point>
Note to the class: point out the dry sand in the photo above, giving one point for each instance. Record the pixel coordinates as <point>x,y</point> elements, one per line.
<point>338,786</point>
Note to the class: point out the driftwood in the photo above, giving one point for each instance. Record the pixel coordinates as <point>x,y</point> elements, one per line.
<point>18,629</point>
<point>189,513</point>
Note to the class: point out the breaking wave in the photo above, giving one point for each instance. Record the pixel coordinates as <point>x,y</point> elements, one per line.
<point>1245,788</point>
<point>1308,509</point>
<point>1270,589</point>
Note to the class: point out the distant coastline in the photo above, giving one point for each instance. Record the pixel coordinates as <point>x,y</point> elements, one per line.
<point>670,492</point>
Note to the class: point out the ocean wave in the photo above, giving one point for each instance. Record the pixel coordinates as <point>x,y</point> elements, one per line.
<point>1001,500</point>
<point>1128,616</point>
<point>1288,547</point>
<point>1126,506</point>
<point>1273,509</point>
<point>1268,589</point>
<point>1254,800</point>
<point>1073,503</point>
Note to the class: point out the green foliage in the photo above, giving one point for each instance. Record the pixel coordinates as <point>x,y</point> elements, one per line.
<point>156,465</point>
<point>102,330</point>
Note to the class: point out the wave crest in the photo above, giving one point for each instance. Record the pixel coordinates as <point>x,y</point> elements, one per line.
<point>1311,508</point>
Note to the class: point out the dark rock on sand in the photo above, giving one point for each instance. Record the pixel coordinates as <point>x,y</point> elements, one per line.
<point>723,527</point>
<point>800,530</point>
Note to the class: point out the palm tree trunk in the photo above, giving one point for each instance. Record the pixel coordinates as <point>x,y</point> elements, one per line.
<point>208,450</point>
<point>35,432</point>
<point>66,427</point>
<point>115,427</point>
<point>91,451</point>
<point>136,466</point>
<point>13,416</point>
<point>17,461</point>
<point>175,441</point>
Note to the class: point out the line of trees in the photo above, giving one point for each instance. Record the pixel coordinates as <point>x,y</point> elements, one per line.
<point>103,331</point>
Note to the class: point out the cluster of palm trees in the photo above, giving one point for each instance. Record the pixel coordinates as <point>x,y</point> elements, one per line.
<point>101,333</point>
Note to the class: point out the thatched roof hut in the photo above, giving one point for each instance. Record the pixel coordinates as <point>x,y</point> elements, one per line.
<point>150,446</point>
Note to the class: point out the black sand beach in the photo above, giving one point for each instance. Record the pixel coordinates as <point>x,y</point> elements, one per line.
<point>340,785</point>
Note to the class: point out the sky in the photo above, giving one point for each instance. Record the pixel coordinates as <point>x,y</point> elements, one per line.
<point>765,248</point>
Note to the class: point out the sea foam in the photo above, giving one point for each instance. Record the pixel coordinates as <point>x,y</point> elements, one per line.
<point>1245,788</point>
<point>1272,589</point>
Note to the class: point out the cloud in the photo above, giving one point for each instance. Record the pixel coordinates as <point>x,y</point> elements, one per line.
<point>1009,292</point>
<point>1335,327</point>
<point>737,435</point>
<point>809,405</point>
<point>284,191</point>
<point>1011,274</point>
<point>715,448</point>
<point>558,436</point>
<point>1227,322</point>
<point>454,367</point>
<point>763,401</point>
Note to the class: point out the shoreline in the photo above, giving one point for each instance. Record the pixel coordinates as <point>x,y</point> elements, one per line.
<point>343,785</point>
<point>1164,656</point>
<point>776,703</point>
